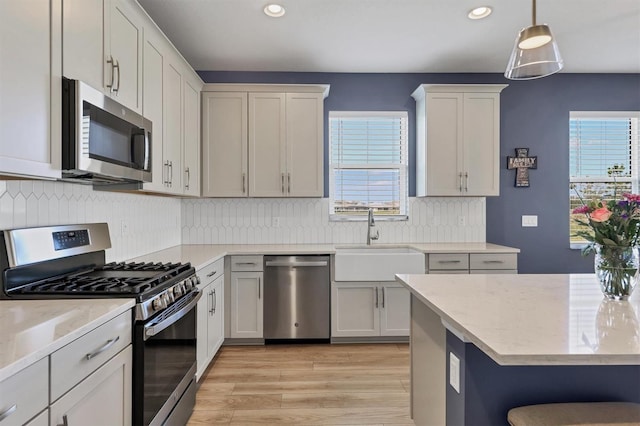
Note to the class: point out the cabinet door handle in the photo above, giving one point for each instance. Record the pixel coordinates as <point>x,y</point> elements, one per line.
<point>210,274</point>
<point>170,173</point>
<point>282,182</point>
<point>215,300</point>
<point>116,66</point>
<point>460,178</point>
<point>244,183</point>
<point>376,297</point>
<point>466,182</point>
<point>9,411</point>
<point>106,346</point>
<point>210,302</point>
<point>382,297</point>
<point>110,85</point>
<point>165,173</point>
<point>259,287</point>
<point>188,174</point>
<point>65,422</point>
<point>289,183</point>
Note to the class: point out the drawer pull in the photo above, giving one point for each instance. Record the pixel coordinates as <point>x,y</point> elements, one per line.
<point>246,263</point>
<point>448,261</point>
<point>9,411</point>
<point>210,274</point>
<point>106,346</point>
<point>65,422</point>
<point>493,261</point>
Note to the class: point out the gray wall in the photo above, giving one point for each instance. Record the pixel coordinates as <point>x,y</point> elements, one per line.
<point>534,114</point>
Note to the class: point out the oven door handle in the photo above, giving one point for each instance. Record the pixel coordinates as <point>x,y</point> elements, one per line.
<point>153,329</point>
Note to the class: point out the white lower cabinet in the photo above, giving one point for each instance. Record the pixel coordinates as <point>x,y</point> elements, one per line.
<point>210,315</point>
<point>369,309</point>
<point>103,398</point>
<point>246,305</point>
<point>86,382</point>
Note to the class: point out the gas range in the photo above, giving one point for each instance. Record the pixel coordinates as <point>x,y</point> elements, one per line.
<point>73,267</point>
<point>69,262</point>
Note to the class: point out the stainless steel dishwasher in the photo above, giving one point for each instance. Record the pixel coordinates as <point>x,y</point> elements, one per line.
<point>297,297</point>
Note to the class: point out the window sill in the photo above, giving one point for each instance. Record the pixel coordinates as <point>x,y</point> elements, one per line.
<point>363,218</point>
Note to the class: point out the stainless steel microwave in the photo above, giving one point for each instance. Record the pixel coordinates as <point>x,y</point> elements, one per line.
<point>103,142</point>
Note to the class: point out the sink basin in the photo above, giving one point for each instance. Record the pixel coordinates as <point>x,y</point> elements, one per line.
<point>371,263</point>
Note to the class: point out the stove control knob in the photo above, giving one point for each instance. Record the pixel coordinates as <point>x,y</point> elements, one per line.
<point>187,285</point>
<point>168,298</point>
<point>158,304</point>
<point>178,289</point>
<point>197,278</point>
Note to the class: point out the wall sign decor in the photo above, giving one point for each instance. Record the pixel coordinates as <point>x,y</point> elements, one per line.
<point>522,163</point>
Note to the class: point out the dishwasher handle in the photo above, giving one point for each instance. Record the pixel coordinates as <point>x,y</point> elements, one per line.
<point>296,263</point>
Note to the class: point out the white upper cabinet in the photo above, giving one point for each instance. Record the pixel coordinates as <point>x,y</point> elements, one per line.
<point>153,67</point>
<point>30,94</point>
<point>305,145</point>
<point>458,139</point>
<point>123,53</point>
<point>102,46</point>
<point>267,145</point>
<point>191,136</point>
<point>224,144</point>
<point>83,48</point>
<point>171,100</point>
<point>263,140</point>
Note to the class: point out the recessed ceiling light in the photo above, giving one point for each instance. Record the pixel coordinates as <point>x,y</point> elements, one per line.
<point>274,10</point>
<point>480,12</point>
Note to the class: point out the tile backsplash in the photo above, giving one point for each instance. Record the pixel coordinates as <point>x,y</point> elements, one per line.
<point>138,224</point>
<point>306,220</point>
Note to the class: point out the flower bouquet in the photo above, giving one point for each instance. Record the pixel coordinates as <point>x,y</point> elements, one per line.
<point>615,230</point>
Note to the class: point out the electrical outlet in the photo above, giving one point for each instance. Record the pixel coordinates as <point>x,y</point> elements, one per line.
<point>275,222</point>
<point>529,221</point>
<point>462,220</point>
<point>454,372</point>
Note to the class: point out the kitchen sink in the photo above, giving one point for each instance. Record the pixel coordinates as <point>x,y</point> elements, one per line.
<point>376,263</point>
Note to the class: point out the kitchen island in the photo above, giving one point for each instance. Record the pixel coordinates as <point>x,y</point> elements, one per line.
<point>513,340</point>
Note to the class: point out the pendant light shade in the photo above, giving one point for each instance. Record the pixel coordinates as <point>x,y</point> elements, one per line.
<point>535,53</point>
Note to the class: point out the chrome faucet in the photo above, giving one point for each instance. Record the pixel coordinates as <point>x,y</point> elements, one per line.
<point>371,224</point>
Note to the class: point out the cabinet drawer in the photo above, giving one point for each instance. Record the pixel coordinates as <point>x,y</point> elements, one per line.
<point>210,272</point>
<point>246,263</point>
<point>24,394</point>
<point>448,261</point>
<point>494,261</point>
<point>74,362</point>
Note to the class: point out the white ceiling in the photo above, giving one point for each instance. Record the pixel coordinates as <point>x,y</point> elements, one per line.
<point>594,36</point>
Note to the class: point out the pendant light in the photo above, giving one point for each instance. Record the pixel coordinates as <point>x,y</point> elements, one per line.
<point>535,53</point>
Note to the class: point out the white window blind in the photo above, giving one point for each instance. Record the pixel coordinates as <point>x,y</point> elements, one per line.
<point>598,142</point>
<point>368,164</point>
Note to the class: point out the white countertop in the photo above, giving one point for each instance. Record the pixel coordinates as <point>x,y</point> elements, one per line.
<point>32,329</point>
<point>201,255</point>
<point>534,319</point>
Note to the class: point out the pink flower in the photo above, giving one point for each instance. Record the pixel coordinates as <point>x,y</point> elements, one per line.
<point>632,197</point>
<point>601,215</point>
<point>582,209</point>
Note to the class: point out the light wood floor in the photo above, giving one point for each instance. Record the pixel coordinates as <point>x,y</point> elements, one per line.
<point>306,385</point>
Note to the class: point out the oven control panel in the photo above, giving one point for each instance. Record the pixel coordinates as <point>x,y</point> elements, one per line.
<point>69,239</point>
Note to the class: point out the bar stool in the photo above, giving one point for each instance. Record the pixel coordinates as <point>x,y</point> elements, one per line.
<point>576,413</point>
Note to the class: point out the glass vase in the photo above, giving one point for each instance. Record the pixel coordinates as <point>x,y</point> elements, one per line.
<point>617,270</point>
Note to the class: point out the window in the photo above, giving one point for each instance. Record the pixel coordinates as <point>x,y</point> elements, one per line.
<point>368,164</point>
<point>603,158</point>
